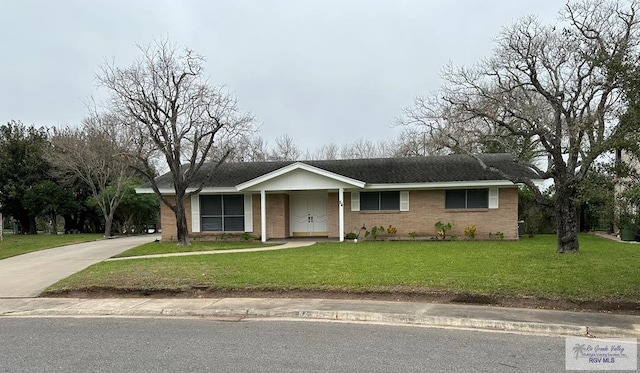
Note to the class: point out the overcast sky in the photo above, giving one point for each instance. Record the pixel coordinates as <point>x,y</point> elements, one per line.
<point>320,71</point>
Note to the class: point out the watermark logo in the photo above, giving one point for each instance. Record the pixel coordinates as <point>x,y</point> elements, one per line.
<point>601,354</point>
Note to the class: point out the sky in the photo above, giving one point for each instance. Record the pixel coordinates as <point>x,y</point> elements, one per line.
<point>319,71</point>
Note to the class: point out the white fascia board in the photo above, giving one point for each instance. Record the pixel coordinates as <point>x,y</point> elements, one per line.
<point>217,190</point>
<point>168,191</point>
<point>442,185</point>
<point>144,190</point>
<point>171,191</point>
<point>300,166</point>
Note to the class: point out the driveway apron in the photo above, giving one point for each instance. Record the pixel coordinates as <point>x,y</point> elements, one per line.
<point>27,275</point>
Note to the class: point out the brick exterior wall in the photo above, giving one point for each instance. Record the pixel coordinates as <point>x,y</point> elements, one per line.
<point>168,219</point>
<point>277,216</point>
<point>425,209</point>
<point>333,219</point>
<point>255,206</point>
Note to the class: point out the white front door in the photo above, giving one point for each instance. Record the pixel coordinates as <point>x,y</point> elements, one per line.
<point>309,214</point>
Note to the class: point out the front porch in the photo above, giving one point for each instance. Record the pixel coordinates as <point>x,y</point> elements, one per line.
<point>300,200</point>
<point>317,214</point>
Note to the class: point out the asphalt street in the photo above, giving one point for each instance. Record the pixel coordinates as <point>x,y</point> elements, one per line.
<point>200,345</point>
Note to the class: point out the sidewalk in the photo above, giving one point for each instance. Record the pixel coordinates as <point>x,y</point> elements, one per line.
<point>281,246</point>
<point>613,237</point>
<point>398,313</point>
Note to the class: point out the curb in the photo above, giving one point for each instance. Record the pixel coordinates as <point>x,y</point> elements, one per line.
<point>238,314</point>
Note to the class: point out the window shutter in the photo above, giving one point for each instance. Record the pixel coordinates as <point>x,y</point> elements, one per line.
<point>248,212</point>
<point>355,201</point>
<point>195,213</point>
<point>493,198</point>
<point>404,201</point>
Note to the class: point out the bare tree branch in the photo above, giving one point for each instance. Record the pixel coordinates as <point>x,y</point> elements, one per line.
<point>176,118</point>
<point>550,95</point>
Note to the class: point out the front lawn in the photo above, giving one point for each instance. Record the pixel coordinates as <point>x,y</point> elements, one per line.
<point>604,270</point>
<point>171,247</point>
<point>13,244</point>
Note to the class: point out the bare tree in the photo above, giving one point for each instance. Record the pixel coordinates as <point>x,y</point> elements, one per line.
<point>248,148</point>
<point>175,117</point>
<point>557,90</point>
<point>327,152</point>
<point>412,142</point>
<point>285,149</point>
<point>361,149</point>
<point>94,154</point>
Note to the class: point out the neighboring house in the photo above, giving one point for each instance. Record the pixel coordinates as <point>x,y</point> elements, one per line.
<point>276,200</point>
<point>624,205</point>
<point>633,162</point>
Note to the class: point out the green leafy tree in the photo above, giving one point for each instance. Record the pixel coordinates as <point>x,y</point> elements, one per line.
<point>49,199</point>
<point>94,154</point>
<point>595,198</point>
<point>22,166</point>
<point>135,212</point>
<point>84,218</point>
<point>538,218</point>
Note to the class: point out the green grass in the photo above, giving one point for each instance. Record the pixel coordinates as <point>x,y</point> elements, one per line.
<point>170,247</point>
<point>604,270</point>
<point>13,245</point>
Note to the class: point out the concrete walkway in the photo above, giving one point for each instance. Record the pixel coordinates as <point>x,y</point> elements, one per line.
<point>29,274</point>
<point>286,245</point>
<point>613,237</point>
<point>398,313</point>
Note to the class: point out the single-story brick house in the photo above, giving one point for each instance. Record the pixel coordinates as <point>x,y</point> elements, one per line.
<point>329,198</point>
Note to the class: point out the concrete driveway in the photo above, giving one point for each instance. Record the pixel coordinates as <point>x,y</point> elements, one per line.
<point>27,275</point>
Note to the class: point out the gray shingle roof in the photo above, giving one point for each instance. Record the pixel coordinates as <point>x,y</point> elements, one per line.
<point>372,171</point>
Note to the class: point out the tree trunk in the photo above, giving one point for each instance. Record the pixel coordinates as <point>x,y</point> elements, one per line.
<point>566,221</point>
<point>33,228</point>
<point>27,223</point>
<point>69,223</point>
<point>181,222</point>
<point>108,222</point>
<point>23,223</point>
<point>54,223</point>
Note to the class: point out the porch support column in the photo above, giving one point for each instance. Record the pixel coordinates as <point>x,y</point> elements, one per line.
<point>263,216</point>
<point>341,212</point>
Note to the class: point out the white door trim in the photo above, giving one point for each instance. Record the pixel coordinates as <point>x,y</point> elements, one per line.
<point>316,222</point>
